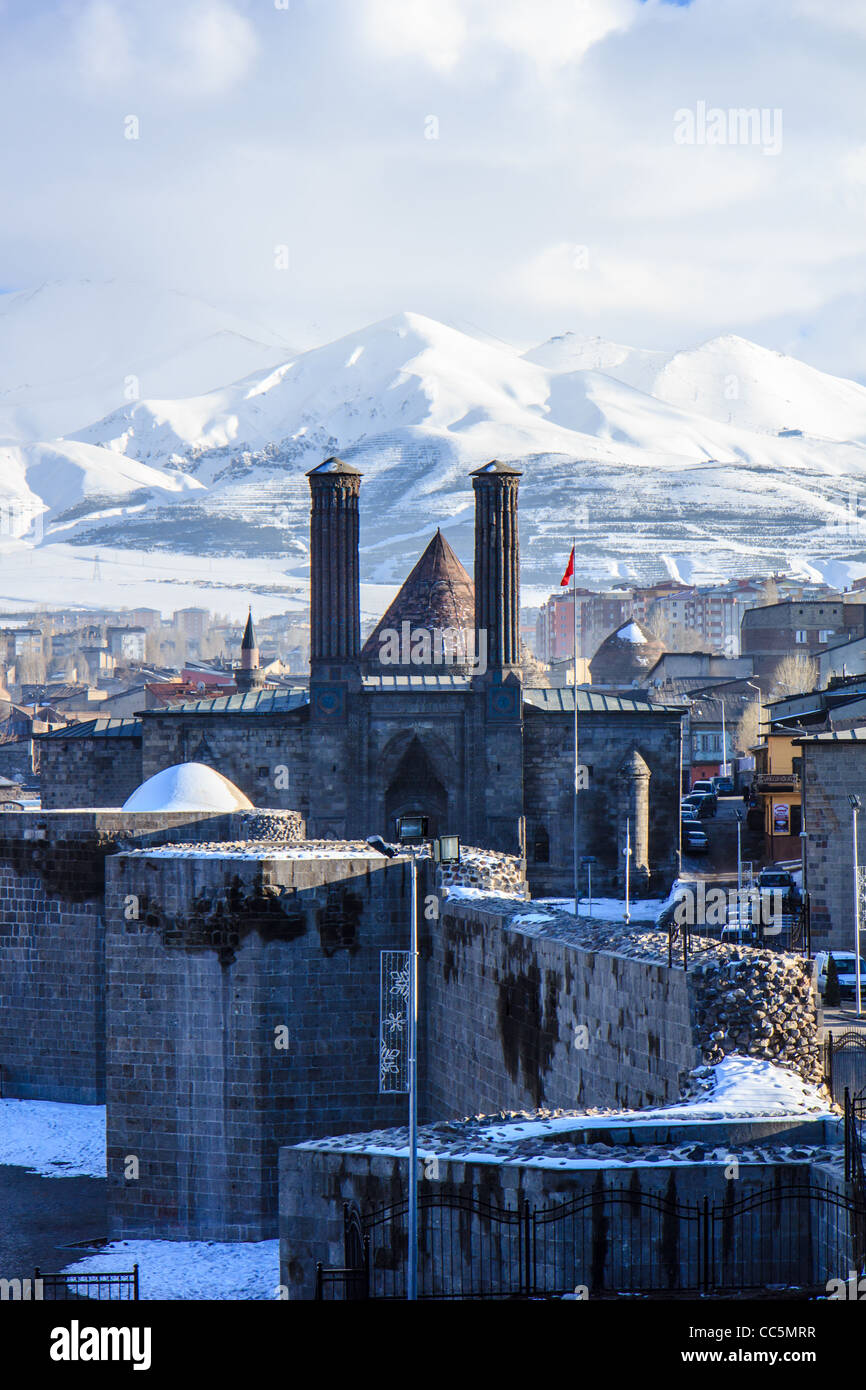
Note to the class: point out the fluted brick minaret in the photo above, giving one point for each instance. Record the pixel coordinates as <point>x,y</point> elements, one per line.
<point>497,563</point>
<point>335,597</point>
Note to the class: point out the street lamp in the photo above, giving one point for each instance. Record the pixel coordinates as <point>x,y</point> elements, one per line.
<point>588,860</point>
<point>856,803</point>
<point>627,853</point>
<point>739,860</point>
<point>412,1028</point>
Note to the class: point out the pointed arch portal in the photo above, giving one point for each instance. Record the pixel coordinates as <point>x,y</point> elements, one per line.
<point>415,789</point>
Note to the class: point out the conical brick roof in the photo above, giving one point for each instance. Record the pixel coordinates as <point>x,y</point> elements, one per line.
<point>437,596</point>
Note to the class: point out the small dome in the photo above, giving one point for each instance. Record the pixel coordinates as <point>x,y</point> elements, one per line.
<point>187,787</point>
<point>625,657</point>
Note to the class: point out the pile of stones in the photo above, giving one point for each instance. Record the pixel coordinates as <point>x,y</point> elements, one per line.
<point>485,869</point>
<point>268,825</point>
<point>758,1004</point>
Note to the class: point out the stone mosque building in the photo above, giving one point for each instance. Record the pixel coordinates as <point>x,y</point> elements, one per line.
<point>430,716</point>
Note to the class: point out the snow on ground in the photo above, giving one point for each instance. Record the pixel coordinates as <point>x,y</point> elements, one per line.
<point>193,1270</point>
<point>738,1089</point>
<point>753,1086</point>
<point>609,909</point>
<point>457,890</point>
<point>53,1139</point>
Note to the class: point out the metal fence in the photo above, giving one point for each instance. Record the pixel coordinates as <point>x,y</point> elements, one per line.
<point>605,1242</point>
<point>65,1287</point>
<point>790,932</point>
<point>845,1062</point>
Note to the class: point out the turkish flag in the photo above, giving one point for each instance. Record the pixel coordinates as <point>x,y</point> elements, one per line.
<point>569,571</point>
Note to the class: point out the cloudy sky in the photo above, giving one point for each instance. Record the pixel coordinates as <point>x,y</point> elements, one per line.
<point>517,167</point>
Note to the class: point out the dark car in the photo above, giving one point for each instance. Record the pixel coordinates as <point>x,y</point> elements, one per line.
<point>703,802</point>
<point>723,786</point>
<point>694,838</point>
<point>780,880</point>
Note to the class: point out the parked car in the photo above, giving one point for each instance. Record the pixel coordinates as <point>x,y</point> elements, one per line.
<point>723,786</point>
<point>780,880</point>
<point>738,933</point>
<point>845,969</point>
<point>688,812</point>
<point>703,785</point>
<point>703,802</point>
<point>694,839</point>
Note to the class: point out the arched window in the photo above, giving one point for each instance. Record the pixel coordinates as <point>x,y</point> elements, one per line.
<point>541,845</point>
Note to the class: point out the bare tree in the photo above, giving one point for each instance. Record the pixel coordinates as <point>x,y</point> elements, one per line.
<point>794,675</point>
<point>30,669</point>
<point>673,636</point>
<point>769,593</point>
<point>748,732</point>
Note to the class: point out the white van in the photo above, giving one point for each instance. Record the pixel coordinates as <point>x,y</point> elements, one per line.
<point>845,969</point>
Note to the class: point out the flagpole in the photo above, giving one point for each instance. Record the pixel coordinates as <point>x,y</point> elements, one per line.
<point>574,689</point>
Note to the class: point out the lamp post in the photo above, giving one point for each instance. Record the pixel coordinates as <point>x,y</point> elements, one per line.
<point>856,803</point>
<point>589,860</point>
<point>412,1279</point>
<point>739,860</point>
<point>627,853</point>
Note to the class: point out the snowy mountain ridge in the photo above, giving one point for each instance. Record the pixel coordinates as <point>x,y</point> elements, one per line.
<point>726,458</point>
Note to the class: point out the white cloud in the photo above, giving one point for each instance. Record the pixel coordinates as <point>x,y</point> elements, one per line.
<point>434,30</point>
<point>550,33</point>
<point>194,47</point>
<point>306,127</point>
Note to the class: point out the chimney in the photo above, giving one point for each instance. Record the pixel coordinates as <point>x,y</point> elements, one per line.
<point>497,563</point>
<point>335,596</point>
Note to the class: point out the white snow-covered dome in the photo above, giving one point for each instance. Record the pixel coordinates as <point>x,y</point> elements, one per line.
<point>187,787</point>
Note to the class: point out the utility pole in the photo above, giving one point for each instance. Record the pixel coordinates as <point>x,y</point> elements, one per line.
<point>412,1280</point>
<point>627,866</point>
<point>574,690</point>
<point>855,807</point>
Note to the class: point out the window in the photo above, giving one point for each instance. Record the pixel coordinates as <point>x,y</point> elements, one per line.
<point>801,635</point>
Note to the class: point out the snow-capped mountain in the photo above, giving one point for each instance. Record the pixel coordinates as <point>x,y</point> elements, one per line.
<point>726,458</point>
<point>71,351</point>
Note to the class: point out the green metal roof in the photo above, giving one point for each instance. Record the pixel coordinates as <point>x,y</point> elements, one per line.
<point>97,728</point>
<point>251,702</point>
<point>561,701</point>
<point>434,681</point>
<point>835,736</point>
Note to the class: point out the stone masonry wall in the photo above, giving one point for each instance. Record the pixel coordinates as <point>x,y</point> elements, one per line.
<point>88,772</point>
<point>267,756</point>
<point>832,771</point>
<point>516,1020</point>
<point>604,743</point>
<point>315,1184</point>
<point>228,950</point>
<point>52,948</point>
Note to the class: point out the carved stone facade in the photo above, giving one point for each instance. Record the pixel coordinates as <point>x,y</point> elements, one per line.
<point>467,745</point>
